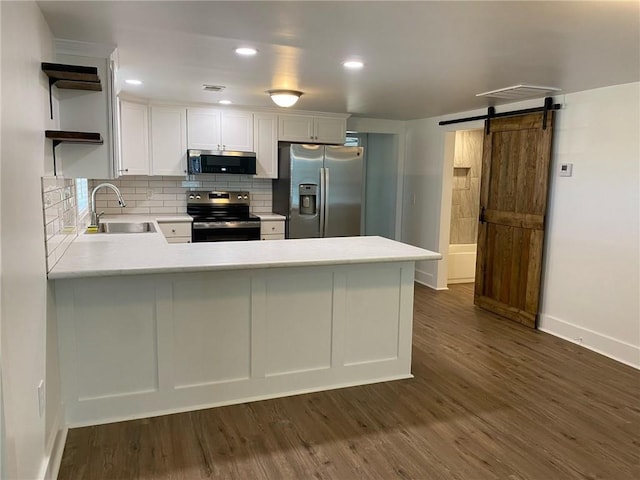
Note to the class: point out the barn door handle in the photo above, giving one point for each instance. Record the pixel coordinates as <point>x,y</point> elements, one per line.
<point>481,218</point>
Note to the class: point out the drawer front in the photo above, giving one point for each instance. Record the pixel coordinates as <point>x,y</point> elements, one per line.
<point>269,228</point>
<point>273,236</point>
<point>182,229</point>
<point>178,239</point>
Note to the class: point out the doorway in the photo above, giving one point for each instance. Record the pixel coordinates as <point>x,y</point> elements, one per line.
<point>380,182</point>
<point>466,172</point>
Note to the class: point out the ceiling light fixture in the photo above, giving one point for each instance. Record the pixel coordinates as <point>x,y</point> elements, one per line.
<point>225,102</point>
<point>353,64</point>
<point>133,82</point>
<point>246,51</point>
<point>284,98</point>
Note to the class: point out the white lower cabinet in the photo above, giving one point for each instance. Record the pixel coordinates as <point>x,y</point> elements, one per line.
<point>176,232</point>
<point>272,229</point>
<point>135,346</point>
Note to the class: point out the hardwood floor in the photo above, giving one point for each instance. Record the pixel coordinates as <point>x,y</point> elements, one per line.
<point>490,400</point>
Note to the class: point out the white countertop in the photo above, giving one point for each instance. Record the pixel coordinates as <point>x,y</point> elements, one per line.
<point>270,217</point>
<point>160,217</point>
<point>95,255</point>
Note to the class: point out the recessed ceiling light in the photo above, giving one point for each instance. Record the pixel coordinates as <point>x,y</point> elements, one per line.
<point>353,64</point>
<point>225,102</point>
<point>132,81</point>
<point>247,51</point>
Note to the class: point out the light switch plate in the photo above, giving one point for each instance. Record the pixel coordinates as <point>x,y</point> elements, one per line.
<point>566,169</point>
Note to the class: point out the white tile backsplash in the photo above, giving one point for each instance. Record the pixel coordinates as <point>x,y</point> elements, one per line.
<point>59,216</point>
<point>145,195</point>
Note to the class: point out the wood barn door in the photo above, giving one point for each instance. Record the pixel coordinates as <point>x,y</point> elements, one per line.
<point>513,202</point>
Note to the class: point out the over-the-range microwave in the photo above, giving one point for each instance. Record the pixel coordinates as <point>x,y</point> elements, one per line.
<point>220,161</point>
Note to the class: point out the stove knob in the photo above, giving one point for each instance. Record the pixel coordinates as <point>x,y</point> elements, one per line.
<point>246,197</point>
<point>239,197</point>
<point>191,197</point>
<point>197,197</point>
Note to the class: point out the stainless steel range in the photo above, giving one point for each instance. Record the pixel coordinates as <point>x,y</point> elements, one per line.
<point>221,216</point>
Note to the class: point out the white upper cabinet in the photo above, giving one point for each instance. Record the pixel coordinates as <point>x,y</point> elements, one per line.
<point>203,129</point>
<point>330,130</point>
<point>314,129</point>
<point>236,131</point>
<point>295,128</point>
<point>265,141</point>
<point>211,129</point>
<point>134,139</point>
<point>168,140</point>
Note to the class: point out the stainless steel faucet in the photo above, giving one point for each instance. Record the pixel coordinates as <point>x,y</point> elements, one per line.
<point>95,217</point>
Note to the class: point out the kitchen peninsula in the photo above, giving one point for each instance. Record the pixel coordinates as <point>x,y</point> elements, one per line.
<point>147,328</point>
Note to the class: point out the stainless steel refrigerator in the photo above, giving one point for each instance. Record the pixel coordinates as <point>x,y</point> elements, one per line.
<point>319,190</point>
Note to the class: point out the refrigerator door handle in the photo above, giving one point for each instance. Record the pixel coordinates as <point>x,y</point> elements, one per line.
<point>326,201</point>
<point>322,201</point>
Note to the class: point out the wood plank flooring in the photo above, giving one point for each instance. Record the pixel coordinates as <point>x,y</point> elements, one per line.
<point>490,400</point>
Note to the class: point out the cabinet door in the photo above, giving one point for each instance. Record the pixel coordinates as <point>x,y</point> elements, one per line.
<point>265,141</point>
<point>295,128</point>
<point>330,130</point>
<point>237,131</point>
<point>168,141</point>
<point>203,129</point>
<point>134,139</point>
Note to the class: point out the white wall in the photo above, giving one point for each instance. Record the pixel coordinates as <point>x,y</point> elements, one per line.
<point>591,267</point>
<point>591,285</point>
<point>26,42</point>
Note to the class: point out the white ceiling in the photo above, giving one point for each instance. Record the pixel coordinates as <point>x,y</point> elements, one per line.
<point>422,58</point>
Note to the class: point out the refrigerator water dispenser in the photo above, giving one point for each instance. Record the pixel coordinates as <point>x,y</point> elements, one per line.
<point>308,196</point>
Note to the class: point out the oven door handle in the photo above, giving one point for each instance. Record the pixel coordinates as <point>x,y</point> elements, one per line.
<point>210,225</point>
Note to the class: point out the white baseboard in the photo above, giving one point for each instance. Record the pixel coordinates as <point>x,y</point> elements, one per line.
<point>427,279</point>
<point>608,346</point>
<point>55,459</point>
<point>55,447</point>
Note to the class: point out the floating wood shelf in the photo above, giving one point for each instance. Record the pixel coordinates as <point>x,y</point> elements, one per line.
<point>59,136</point>
<point>71,77</point>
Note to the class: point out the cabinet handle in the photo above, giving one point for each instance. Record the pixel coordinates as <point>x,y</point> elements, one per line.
<point>173,230</point>
<point>123,170</point>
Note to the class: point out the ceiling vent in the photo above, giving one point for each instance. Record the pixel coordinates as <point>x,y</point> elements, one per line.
<point>213,88</point>
<point>517,92</point>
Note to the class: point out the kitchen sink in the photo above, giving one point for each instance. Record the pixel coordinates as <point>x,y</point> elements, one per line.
<point>125,227</point>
